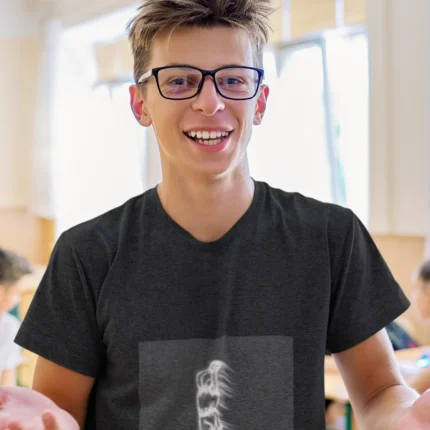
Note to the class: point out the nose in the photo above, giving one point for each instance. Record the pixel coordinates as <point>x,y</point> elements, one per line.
<point>208,101</point>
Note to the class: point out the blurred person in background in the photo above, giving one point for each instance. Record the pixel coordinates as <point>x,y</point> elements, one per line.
<point>400,338</point>
<point>12,268</point>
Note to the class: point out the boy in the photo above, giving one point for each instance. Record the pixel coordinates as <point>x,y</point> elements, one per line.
<point>209,302</point>
<point>12,268</point>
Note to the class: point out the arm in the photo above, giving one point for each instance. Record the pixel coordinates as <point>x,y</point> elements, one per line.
<point>376,388</point>
<point>421,382</point>
<point>8,378</point>
<point>69,390</point>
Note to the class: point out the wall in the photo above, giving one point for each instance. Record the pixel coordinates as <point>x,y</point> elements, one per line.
<point>27,234</point>
<point>20,53</point>
<point>399,121</point>
<point>399,100</point>
<point>404,254</point>
<point>399,43</point>
<point>74,12</point>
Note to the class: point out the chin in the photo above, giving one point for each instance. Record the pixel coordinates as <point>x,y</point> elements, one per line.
<point>213,171</point>
<point>216,168</point>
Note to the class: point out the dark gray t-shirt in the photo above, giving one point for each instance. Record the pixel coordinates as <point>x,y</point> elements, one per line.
<point>231,334</point>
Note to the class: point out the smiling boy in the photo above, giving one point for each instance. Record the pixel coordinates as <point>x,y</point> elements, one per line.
<point>209,301</point>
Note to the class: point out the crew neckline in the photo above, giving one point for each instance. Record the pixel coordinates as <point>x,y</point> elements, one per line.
<point>233,232</point>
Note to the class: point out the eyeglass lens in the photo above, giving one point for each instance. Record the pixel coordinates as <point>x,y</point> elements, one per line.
<point>183,82</point>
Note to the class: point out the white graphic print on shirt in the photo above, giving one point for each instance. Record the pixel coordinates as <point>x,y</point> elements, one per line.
<point>213,388</point>
<point>227,383</point>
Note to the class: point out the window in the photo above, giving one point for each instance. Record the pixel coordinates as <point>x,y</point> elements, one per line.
<point>116,154</point>
<point>100,153</point>
<point>349,84</point>
<point>314,138</point>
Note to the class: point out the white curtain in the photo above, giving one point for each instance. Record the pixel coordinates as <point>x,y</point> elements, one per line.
<point>100,158</point>
<point>42,198</point>
<point>289,149</point>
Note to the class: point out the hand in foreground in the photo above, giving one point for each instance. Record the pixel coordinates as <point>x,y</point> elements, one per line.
<point>418,415</point>
<point>24,409</point>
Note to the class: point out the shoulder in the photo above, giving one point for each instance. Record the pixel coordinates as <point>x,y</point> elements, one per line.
<point>306,210</point>
<point>104,232</point>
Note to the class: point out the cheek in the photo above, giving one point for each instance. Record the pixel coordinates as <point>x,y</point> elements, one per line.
<point>246,116</point>
<point>167,118</point>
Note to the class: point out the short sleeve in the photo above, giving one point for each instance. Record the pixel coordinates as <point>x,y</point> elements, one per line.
<point>365,297</point>
<point>61,323</point>
<point>10,352</point>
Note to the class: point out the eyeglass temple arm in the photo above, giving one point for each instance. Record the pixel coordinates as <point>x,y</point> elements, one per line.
<point>145,77</point>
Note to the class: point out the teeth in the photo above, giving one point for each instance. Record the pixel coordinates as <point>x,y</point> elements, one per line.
<point>208,135</point>
<point>209,142</point>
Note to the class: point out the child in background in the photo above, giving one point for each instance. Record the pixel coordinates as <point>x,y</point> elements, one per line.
<point>12,268</point>
<point>421,299</point>
<point>400,339</point>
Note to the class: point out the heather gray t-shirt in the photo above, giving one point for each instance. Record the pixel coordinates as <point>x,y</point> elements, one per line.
<point>231,334</point>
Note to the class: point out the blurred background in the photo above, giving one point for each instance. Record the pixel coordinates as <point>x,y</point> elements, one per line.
<point>347,121</point>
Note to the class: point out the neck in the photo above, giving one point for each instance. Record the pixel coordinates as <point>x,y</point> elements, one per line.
<point>206,207</point>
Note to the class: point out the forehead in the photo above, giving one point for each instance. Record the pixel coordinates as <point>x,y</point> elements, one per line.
<point>207,48</point>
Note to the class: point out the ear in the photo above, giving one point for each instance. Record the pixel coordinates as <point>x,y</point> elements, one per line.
<point>260,107</point>
<point>138,106</point>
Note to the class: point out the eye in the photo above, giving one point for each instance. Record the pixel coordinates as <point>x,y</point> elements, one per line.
<point>178,81</point>
<point>231,80</point>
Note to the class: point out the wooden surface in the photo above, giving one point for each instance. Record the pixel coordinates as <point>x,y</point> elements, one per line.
<point>355,11</point>
<point>404,254</point>
<point>311,16</point>
<point>27,234</point>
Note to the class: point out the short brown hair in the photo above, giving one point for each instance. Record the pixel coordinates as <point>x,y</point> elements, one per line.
<point>156,16</point>
<point>12,267</point>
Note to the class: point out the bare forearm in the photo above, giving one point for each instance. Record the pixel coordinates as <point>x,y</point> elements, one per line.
<point>386,408</point>
<point>421,382</point>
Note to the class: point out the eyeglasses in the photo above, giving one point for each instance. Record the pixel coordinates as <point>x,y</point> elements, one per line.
<point>186,82</point>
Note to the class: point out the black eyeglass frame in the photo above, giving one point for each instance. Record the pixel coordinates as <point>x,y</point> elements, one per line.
<point>154,72</point>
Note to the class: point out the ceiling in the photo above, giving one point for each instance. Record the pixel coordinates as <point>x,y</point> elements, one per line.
<point>76,11</point>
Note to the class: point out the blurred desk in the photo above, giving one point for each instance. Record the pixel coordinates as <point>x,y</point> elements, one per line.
<point>335,388</point>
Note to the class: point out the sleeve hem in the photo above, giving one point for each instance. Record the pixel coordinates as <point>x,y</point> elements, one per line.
<point>370,330</point>
<point>53,352</point>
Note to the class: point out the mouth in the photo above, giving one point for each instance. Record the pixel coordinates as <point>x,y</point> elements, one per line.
<point>208,138</point>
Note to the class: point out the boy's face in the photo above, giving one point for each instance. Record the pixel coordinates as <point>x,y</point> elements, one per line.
<point>207,49</point>
<point>9,298</point>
